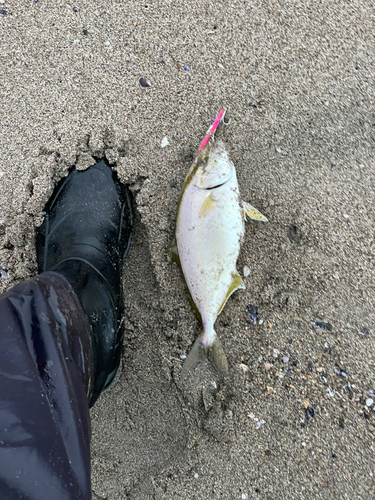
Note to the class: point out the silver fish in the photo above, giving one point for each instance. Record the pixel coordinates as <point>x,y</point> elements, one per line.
<point>209,232</point>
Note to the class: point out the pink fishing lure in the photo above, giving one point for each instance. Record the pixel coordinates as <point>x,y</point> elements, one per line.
<point>211,131</point>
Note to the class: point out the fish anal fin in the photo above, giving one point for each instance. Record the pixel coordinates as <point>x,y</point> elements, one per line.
<point>252,212</point>
<point>235,285</point>
<point>194,308</point>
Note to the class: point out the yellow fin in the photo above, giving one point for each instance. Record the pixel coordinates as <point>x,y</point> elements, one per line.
<point>208,205</point>
<point>235,285</point>
<point>253,213</point>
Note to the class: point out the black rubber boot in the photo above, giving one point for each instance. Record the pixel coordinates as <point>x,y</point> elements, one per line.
<point>85,237</point>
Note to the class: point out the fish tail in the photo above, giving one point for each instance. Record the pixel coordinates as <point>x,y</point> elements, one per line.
<point>198,352</point>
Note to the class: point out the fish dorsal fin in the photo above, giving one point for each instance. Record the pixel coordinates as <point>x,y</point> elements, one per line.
<point>173,250</point>
<point>252,212</point>
<point>235,285</point>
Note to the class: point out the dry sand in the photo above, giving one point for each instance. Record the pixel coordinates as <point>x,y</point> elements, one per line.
<point>297,78</point>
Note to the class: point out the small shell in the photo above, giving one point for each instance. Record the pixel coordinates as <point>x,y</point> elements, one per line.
<point>253,314</point>
<point>243,367</point>
<point>246,271</point>
<point>309,413</point>
<point>144,83</point>
<point>164,142</point>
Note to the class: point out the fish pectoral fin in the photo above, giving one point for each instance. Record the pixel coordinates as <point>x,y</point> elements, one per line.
<point>252,212</point>
<point>198,352</point>
<point>235,285</point>
<point>207,206</point>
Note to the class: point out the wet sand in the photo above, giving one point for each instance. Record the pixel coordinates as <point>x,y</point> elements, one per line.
<point>291,421</point>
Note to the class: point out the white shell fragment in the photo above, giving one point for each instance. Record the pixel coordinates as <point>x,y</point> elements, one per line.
<point>164,142</point>
<point>260,423</point>
<point>246,271</point>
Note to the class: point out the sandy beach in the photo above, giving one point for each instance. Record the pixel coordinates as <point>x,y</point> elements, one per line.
<point>294,419</point>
